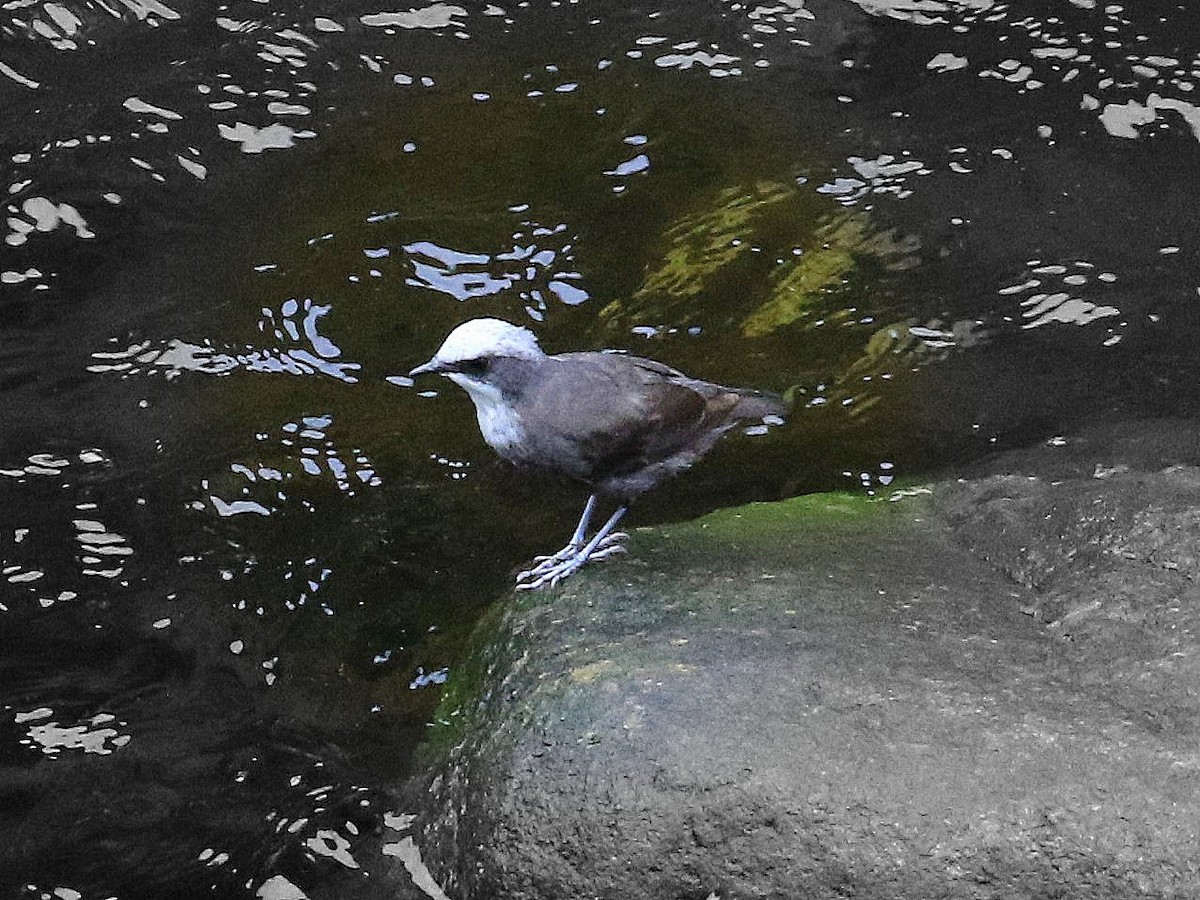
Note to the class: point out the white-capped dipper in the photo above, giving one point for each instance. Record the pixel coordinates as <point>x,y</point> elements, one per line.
<point>620,424</point>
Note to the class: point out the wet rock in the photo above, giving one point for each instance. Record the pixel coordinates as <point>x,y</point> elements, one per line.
<point>1103,525</point>
<point>984,691</point>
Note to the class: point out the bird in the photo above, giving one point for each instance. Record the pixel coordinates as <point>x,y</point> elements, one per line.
<point>617,423</point>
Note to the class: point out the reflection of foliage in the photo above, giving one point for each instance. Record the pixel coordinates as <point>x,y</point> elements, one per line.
<point>892,349</point>
<point>774,260</point>
<point>765,253</point>
<point>703,243</point>
<point>841,241</point>
<point>891,345</point>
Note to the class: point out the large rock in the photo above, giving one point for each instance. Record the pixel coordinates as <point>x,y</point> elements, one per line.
<point>986,691</point>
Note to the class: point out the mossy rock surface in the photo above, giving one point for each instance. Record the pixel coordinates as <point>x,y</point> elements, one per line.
<point>837,696</point>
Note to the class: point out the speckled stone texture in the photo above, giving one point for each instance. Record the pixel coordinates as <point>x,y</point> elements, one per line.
<point>987,691</point>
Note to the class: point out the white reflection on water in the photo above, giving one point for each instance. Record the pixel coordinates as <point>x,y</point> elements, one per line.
<point>270,137</point>
<point>405,849</point>
<point>886,173</point>
<point>296,322</point>
<point>95,734</point>
<point>65,27</point>
<point>320,454</point>
<point>327,25</point>
<point>192,166</point>
<point>635,165</point>
<point>946,62</point>
<point>327,842</point>
<point>99,551</point>
<point>538,266</point>
<point>102,551</point>
<point>237,507</point>
<point>138,105</point>
<point>1102,57</point>
<point>1124,119</point>
<point>277,887</point>
<point>719,65</point>
<point>1047,305</point>
<point>922,12</point>
<point>437,15</point>
<point>174,357</point>
<point>10,72</point>
<point>150,9</point>
<point>42,214</point>
<point>258,488</point>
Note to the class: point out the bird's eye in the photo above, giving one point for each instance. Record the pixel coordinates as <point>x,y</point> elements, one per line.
<point>474,366</point>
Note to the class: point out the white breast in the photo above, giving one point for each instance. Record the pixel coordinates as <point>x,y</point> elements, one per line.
<point>498,422</point>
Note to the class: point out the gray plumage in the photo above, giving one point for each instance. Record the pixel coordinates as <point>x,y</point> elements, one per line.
<point>619,424</point>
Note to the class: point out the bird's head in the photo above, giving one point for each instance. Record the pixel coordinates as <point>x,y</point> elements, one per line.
<point>469,351</point>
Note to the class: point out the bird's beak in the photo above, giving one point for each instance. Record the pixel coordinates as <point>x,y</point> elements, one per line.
<point>431,367</point>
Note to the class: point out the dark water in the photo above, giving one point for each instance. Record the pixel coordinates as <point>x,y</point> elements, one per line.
<point>239,552</point>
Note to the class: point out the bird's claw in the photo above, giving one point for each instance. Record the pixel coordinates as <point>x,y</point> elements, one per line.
<point>551,577</point>
<point>607,547</point>
<point>552,569</point>
<point>606,552</point>
<point>546,564</point>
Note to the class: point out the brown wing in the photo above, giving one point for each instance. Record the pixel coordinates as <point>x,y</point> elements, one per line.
<point>605,414</point>
<point>686,411</point>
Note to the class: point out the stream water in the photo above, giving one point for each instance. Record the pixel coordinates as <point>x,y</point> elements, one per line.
<point>240,551</point>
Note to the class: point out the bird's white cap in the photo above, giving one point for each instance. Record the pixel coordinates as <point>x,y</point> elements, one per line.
<point>483,338</point>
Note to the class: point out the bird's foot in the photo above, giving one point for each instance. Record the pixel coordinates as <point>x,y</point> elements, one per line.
<point>544,564</point>
<point>550,570</point>
<point>607,547</point>
<point>553,574</point>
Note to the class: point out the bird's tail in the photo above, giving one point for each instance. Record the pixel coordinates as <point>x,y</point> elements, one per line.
<point>754,404</point>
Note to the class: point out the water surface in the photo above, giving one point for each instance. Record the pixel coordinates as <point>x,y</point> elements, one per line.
<point>240,551</point>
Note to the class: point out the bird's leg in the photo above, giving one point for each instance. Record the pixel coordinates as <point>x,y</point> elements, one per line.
<point>604,543</point>
<point>546,563</point>
<point>577,539</point>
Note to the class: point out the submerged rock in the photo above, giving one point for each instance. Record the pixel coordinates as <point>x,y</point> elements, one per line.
<point>838,696</point>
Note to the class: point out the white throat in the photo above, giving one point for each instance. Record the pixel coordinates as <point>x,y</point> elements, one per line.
<point>498,421</point>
